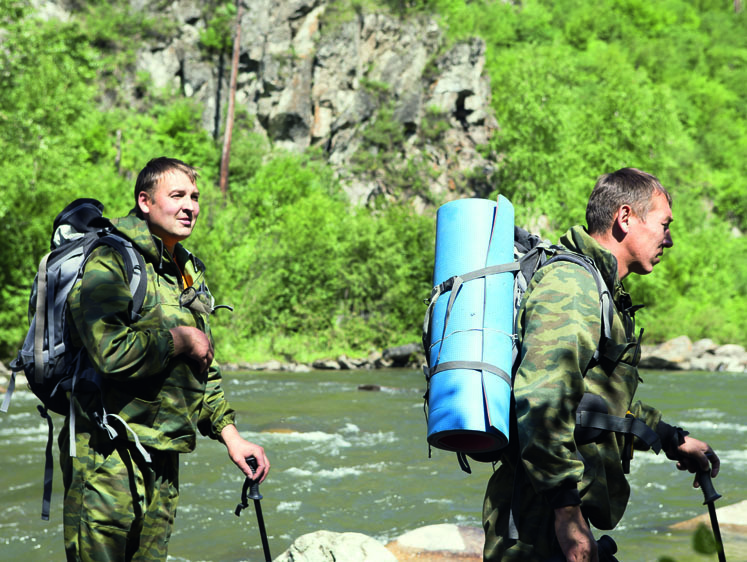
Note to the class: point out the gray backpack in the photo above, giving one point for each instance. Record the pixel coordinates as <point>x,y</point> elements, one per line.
<point>55,369</point>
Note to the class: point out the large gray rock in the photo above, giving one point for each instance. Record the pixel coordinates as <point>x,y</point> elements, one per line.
<point>704,355</point>
<point>403,354</point>
<point>436,543</point>
<point>326,365</point>
<point>326,546</point>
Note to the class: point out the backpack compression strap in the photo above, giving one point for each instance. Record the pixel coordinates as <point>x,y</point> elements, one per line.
<point>48,464</point>
<point>41,309</point>
<point>626,425</point>
<point>41,312</point>
<point>454,284</point>
<point>605,298</point>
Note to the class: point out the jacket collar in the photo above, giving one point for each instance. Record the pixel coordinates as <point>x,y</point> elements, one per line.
<point>577,239</point>
<point>150,246</point>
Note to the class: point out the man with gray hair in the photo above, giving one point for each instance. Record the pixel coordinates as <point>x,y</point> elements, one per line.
<point>554,478</point>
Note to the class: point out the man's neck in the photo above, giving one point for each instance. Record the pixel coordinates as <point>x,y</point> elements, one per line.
<point>612,245</point>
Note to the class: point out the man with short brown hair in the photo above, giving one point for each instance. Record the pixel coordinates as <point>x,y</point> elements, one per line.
<point>159,379</point>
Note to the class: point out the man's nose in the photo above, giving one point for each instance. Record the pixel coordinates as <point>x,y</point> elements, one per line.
<point>668,243</point>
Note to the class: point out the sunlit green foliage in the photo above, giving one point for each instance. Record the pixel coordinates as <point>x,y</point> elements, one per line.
<point>584,88</point>
<point>220,22</point>
<point>308,275</point>
<point>44,89</point>
<point>579,88</point>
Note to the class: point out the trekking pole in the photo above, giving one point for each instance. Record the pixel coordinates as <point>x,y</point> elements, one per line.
<point>711,495</point>
<point>252,487</point>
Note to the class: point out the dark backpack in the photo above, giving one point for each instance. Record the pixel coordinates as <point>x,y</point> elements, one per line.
<point>53,366</point>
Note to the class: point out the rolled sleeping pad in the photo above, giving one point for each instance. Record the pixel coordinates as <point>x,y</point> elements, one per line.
<point>468,409</point>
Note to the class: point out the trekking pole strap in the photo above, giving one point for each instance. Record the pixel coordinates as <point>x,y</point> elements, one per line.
<point>244,499</point>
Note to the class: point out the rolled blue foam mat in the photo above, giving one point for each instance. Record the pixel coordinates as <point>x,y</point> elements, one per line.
<point>468,409</point>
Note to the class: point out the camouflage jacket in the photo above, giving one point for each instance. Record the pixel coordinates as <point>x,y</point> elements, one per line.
<point>559,329</point>
<point>163,398</point>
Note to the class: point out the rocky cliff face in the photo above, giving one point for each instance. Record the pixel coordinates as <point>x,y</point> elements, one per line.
<point>395,108</point>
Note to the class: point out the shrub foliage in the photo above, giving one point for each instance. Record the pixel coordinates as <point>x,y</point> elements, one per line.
<point>579,88</point>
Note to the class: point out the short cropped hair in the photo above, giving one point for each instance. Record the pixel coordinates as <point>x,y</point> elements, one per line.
<point>627,186</point>
<point>154,170</point>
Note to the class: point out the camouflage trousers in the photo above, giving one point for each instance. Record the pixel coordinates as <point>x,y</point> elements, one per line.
<point>534,518</point>
<point>117,507</point>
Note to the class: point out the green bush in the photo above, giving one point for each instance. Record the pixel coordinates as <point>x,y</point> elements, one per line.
<point>579,89</point>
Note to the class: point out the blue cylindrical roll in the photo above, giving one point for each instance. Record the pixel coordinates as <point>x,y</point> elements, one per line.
<point>468,409</point>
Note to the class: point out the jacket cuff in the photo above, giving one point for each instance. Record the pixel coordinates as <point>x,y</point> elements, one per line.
<point>168,337</point>
<point>226,420</point>
<point>566,494</point>
<point>671,438</point>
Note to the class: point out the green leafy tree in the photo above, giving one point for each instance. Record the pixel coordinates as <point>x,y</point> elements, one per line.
<point>45,87</point>
<point>579,88</point>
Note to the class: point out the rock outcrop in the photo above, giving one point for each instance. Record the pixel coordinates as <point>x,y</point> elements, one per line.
<point>681,354</point>
<point>435,543</point>
<point>326,546</point>
<point>313,73</point>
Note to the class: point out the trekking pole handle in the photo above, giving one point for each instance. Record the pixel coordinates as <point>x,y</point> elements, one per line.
<point>709,492</point>
<point>254,485</point>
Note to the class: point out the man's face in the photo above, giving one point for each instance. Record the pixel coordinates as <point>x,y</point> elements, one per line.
<point>172,209</point>
<point>647,238</point>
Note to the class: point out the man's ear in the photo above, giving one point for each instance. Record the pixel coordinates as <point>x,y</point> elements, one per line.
<point>143,202</point>
<point>623,218</point>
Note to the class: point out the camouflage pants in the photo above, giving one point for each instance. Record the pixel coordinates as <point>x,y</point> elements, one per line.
<point>117,507</point>
<point>534,518</point>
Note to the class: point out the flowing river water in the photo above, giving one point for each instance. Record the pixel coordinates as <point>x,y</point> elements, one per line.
<point>345,459</point>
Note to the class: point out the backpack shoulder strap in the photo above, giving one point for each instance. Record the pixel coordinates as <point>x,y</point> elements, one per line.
<point>134,267</point>
<point>606,305</point>
<point>41,312</point>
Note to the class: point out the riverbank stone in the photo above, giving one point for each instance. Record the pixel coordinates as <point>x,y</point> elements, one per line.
<point>731,518</point>
<point>732,521</point>
<point>439,543</point>
<point>326,546</point>
<point>678,354</point>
